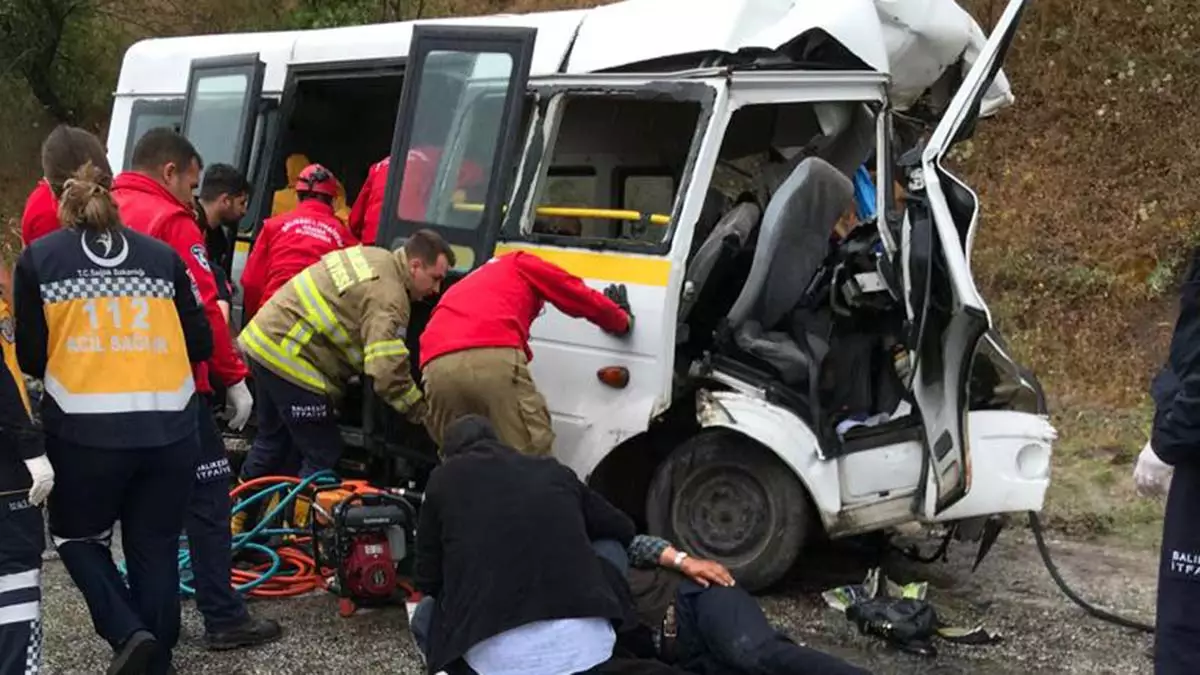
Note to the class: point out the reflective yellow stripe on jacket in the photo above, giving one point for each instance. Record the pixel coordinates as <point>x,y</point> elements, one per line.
<point>8,344</point>
<point>320,316</point>
<point>281,358</point>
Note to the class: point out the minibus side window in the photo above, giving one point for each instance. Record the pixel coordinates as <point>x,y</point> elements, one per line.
<point>147,114</point>
<point>619,135</point>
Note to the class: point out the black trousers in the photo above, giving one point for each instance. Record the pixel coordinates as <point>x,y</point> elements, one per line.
<point>1177,633</point>
<point>21,545</point>
<point>297,430</point>
<point>147,490</point>
<point>208,534</point>
<point>723,630</point>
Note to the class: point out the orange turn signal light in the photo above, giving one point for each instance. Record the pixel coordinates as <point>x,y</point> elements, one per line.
<point>616,377</point>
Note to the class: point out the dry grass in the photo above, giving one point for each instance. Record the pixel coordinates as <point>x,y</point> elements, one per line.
<point>1088,217</point>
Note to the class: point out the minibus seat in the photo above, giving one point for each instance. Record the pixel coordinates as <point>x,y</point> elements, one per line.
<point>726,239</point>
<point>793,242</point>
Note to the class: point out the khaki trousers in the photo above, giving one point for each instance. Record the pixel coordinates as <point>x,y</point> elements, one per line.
<point>495,383</point>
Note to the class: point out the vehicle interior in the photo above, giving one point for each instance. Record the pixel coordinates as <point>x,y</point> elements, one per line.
<point>344,123</point>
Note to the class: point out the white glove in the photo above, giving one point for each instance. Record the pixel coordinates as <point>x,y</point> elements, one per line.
<point>241,402</point>
<point>42,473</point>
<point>1151,474</point>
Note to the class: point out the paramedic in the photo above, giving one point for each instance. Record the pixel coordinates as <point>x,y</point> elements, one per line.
<point>26,478</point>
<point>491,514</point>
<point>153,199</point>
<point>420,172</point>
<point>108,318</point>
<point>475,350</point>
<point>287,199</point>
<point>1176,441</point>
<point>289,243</point>
<point>343,316</point>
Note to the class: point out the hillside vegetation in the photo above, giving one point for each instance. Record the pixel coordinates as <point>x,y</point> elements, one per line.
<point>1088,214</point>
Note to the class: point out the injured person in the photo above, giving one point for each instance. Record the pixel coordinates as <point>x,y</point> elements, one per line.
<point>689,613</point>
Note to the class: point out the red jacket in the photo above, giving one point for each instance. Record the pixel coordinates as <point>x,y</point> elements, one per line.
<point>147,207</point>
<point>495,305</point>
<point>419,175</point>
<point>286,245</point>
<point>41,214</point>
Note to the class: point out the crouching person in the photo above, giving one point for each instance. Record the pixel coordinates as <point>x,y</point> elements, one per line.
<point>692,615</point>
<point>26,478</point>
<point>504,553</point>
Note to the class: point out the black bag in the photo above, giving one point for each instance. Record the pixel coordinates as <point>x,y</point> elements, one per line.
<point>905,623</point>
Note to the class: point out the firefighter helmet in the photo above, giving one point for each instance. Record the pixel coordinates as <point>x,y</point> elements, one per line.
<point>316,179</point>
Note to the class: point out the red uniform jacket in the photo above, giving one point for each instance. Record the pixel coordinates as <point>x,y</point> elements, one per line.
<point>419,175</point>
<point>41,214</point>
<point>147,207</point>
<point>495,305</point>
<point>286,245</point>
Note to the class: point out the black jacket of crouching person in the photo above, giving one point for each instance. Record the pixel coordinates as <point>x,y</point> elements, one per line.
<point>505,540</point>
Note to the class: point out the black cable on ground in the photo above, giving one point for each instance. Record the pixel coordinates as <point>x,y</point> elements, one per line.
<point>1035,524</point>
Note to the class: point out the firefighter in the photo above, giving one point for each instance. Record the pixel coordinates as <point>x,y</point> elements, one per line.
<point>419,174</point>
<point>475,350</point>
<point>109,319</point>
<point>343,316</point>
<point>26,478</point>
<point>1175,441</point>
<point>287,199</point>
<point>155,198</point>
<point>289,243</point>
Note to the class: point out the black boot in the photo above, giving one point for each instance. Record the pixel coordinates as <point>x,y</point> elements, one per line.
<point>252,633</point>
<point>132,657</point>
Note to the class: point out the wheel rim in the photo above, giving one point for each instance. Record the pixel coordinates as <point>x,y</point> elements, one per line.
<point>723,512</point>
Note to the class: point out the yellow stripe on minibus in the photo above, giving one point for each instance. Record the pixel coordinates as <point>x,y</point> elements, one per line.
<point>614,267</point>
<point>242,246</point>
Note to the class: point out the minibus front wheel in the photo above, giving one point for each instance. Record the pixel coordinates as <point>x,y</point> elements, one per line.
<point>723,496</point>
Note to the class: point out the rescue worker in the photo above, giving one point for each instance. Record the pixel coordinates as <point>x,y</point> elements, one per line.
<point>154,198</point>
<point>287,199</point>
<point>475,350</point>
<point>109,319</point>
<point>419,175</point>
<point>289,243</point>
<point>1175,441</point>
<point>26,479</point>
<point>220,207</point>
<point>343,316</point>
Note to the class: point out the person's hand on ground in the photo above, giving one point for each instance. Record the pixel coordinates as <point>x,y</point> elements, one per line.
<point>1151,475</point>
<point>706,572</point>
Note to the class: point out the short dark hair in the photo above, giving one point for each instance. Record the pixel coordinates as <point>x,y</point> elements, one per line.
<point>66,150</point>
<point>222,179</point>
<point>164,145</point>
<point>426,245</point>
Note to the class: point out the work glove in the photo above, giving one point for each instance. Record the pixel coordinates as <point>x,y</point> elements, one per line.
<point>620,297</point>
<point>1151,475</point>
<point>42,473</point>
<point>240,402</point>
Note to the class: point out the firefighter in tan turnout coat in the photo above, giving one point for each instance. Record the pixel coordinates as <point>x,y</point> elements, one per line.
<point>343,316</point>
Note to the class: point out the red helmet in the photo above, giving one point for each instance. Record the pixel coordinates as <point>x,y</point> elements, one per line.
<point>316,179</point>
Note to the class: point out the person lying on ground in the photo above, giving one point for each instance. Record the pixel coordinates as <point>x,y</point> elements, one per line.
<point>690,613</point>
<point>504,553</point>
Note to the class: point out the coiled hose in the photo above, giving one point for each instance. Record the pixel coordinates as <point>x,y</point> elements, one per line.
<point>290,570</point>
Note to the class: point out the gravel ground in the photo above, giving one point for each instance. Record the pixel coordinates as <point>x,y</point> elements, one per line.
<point>1010,593</point>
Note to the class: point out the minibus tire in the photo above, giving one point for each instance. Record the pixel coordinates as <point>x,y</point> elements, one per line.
<point>750,512</point>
